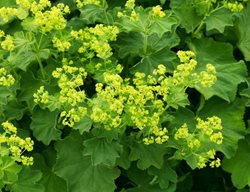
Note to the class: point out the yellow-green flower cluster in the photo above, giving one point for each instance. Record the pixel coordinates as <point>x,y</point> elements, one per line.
<point>41,96</point>
<point>61,45</point>
<point>33,6</point>
<point>234,6</point>
<point>70,78</point>
<point>205,133</point>
<point>7,12</point>
<point>8,43</point>
<point>53,18</point>
<point>5,78</point>
<point>130,4</point>
<point>73,115</point>
<point>157,12</point>
<point>82,3</point>
<point>212,128</point>
<point>185,71</point>
<point>137,103</point>
<point>95,39</point>
<point>16,146</point>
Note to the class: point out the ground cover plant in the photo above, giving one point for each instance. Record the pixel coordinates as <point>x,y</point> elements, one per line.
<point>130,96</point>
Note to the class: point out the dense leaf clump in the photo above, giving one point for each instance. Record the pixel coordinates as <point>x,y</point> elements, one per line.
<point>136,95</point>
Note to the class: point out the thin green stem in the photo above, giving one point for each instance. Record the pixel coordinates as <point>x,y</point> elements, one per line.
<point>41,66</point>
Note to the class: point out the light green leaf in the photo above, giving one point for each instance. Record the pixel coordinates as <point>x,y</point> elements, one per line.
<point>4,93</point>
<point>78,170</point>
<point>102,151</point>
<point>233,125</point>
<point>92,13</point>
<point>44,125</point>
<point>28,181</point>
<point>229,72</point>
<point>147,155</point>
<point>242,24</point>
<point>160,26</point>
<point>9,170</point>
<point>84,125</point>
<point>239,165</point>
<point>219,19</point>
<point>140,25</point>
<point>186,14</point>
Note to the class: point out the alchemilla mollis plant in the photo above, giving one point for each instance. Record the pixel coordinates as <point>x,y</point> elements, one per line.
<point>129,95</point>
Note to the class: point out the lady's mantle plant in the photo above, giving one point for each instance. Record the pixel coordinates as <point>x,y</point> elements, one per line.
<point>121,96</point>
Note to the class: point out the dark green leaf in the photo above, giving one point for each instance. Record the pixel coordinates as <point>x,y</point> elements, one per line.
<point>239,165</point>
<point>147,155</point>
<point>166,176</point>
<point>243,27</point>
<point>186,14</point>
<point>28,181</point>
<point>78,170</point>
<point>49,179</point>
<point>102,151</point>
<point>44,125</point>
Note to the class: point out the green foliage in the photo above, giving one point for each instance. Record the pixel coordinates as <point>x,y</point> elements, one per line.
<point>124,95</point>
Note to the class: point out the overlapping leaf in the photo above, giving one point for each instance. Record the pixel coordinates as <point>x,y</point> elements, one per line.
<point>44,125</point>
<point>218,19</point>
<point>229,72</point>
<point>102,151</point>
<point>78,170</point>
<point>28,181</point>
<point>147,155</point>
<point>239,165</point>
<point>49,180</point>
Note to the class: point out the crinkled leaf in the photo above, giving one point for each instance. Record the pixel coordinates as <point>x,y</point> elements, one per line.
<point>102,151</point>
<point>84,125</point>
<point>239,165</point>
<point>78,170</point>
<point>229,72</point>
<point>243,27</point>
<point>150,62</point>
<point>219,19</point>
<point>28,181</point>
<point>44,125</point>
<point>129,44</point>
<point>233,125</point>
<point>147,155</point>
<point>92,13</point>
<point>140,25</point>
<point>186,14</point>
<point>160,26</point>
